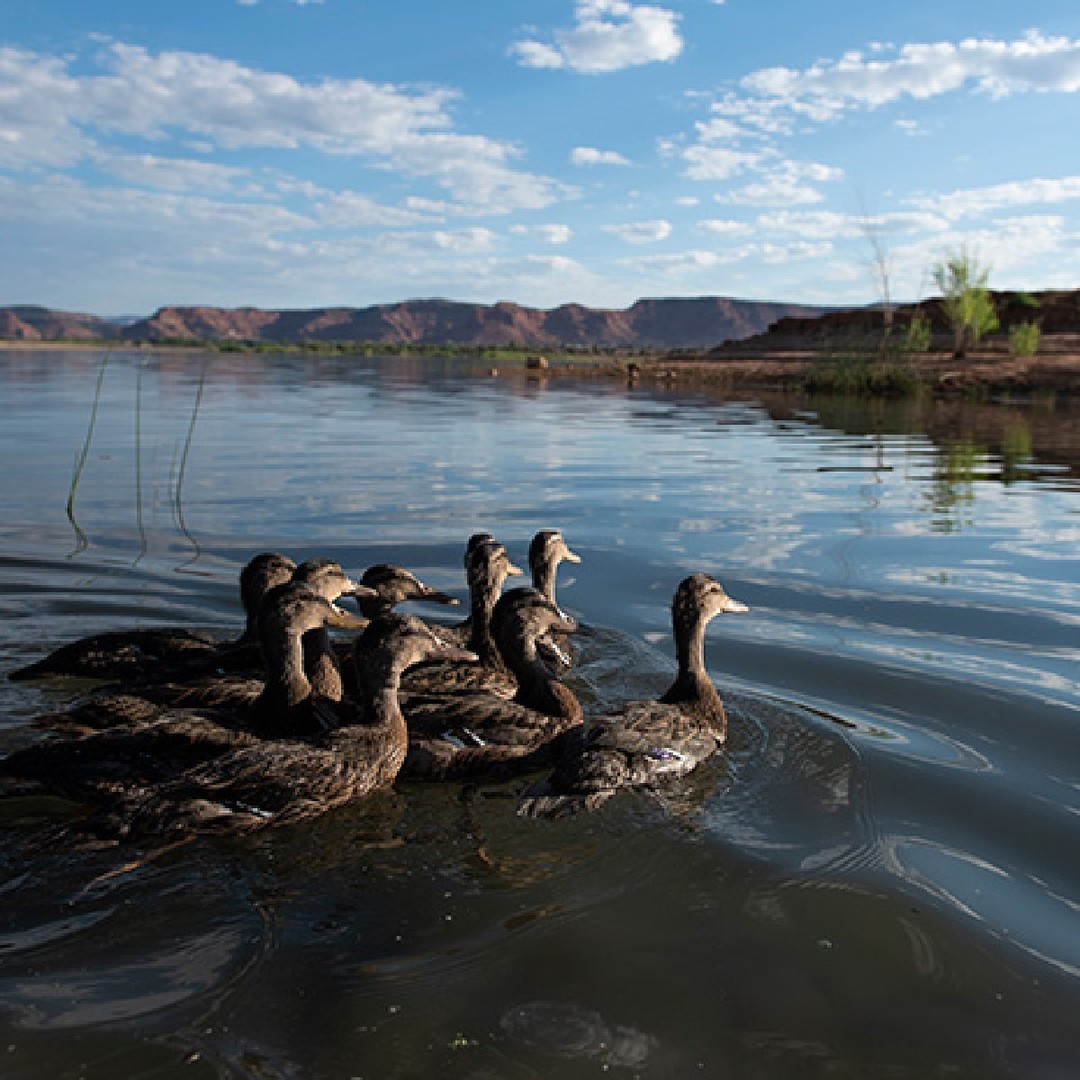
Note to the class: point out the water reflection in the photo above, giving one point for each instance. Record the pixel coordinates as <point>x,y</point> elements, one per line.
<point>880,849</point>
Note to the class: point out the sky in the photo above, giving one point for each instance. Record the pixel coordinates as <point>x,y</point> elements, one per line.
<point>312,153</point>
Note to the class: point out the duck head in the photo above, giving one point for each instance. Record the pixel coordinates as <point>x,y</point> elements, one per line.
<point>524,616</point>
<point>698,599</point>
<point>548,548</point>
<point>393,642</point>
<point>328,579</point>
<point>489,566</point>
<point>395,585</point>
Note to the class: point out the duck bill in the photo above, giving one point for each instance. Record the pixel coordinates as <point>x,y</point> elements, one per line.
<point>346,619</point>
<point>514,571</point>
<point>570,556</point>
<point>733,607</point>
<point>433,596</point>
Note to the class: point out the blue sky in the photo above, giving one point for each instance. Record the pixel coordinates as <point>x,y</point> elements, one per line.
<point>306,153</point>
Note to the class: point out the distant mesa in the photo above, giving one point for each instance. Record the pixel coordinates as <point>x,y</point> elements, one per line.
<point>672,323</point>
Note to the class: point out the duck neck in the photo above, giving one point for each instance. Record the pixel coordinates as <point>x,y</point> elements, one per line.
<point>692,688</point>
<point>285,678</point>
<point>320,666</point>
<point>482,601</point>
<point>538,689</point>
<point>543,578</point>
<point>380,720</point>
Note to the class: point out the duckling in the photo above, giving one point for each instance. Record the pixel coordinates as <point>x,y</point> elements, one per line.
<point>547,550</point>
<point>647,742</point>
<point>280,782</point>
<point>459,632</point>
<point>488,567</point>
<point>327,579</point>
<point>294,665</point>
<point>123,654</point>
<point>160,745</point>
<point>395,585</point>
<point>470,732</point>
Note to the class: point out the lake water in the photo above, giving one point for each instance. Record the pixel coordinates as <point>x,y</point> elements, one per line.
<point>877,878</point>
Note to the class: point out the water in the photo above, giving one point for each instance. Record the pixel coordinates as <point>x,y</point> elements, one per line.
<point>876,879</point>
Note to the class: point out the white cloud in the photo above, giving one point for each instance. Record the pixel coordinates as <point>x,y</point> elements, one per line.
<point>919,71</point>
<point>985,200</point>
<point>725,227</point>
<point>550,234</point>
<point>587,155</point>
<point>174,174</point>
<point>717,162</point>
<point>464,241</point>
<point>641,232</point>
<point>50,117</point>
<point>608,35</point>
<point>831,225</point>
<point>784,183</point>
<point>719,127</point>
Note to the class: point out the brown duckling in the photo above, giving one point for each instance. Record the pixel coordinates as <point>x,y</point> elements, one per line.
<point>547,550</point>
<point>279,782</point>
<point>473,732</point>
<point>296,662</point>
<point>161,744</point>
<point>395,585</point>
<point>647,742</point>
<point>125,654</point>
<point>488,566</point>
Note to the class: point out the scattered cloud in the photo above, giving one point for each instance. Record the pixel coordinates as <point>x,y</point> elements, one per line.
<point>587,155</point>
<point>784,183</point>
<point>725,227</point>
<point>550,234</point>
<point>956,204</point>
<point>827,89</point>
<point>718,162</point>
<point>50,117</point>
<point>608,35</point>
<point>174,174</point>
<point>464,241</point>
<point>641,232</point>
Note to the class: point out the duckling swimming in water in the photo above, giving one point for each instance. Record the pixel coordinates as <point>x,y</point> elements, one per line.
<point>649,742</point>
<point>294,665</point>
<point>547,550</point>
<point>473,732</point>
<point>124,654</point>
<point>489,566</point>
<point>161,744</point>
<point>395,585</point>
<point>278,782</point>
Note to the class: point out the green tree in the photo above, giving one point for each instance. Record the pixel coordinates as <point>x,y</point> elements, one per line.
<point>965,298</point>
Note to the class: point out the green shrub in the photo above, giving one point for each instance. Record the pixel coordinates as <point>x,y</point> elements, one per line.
<point>916,337</point>
<point>1024,339</point>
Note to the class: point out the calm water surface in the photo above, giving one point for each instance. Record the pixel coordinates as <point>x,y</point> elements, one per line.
<point>878,878</point>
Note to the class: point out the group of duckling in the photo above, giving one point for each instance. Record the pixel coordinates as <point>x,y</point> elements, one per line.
<point>284,723</point>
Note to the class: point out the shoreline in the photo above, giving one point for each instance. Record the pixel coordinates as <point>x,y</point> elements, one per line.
<point>984,373</point>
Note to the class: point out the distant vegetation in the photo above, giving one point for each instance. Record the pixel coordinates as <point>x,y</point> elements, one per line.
<point>965,299</point>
